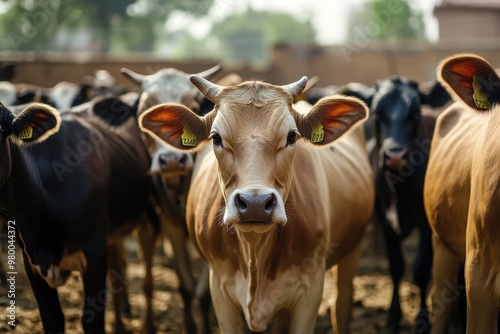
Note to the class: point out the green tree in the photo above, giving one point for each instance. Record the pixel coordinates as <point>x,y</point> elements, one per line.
<point>386,20</point>
<point>248,37</point>
<point>31,25</point>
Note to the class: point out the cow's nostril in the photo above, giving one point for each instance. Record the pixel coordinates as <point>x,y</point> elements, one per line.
<point>183,159</point>
<point>396,152</point>
<point>270,204</point>
<point>163,160</point>
<point>240,203</point>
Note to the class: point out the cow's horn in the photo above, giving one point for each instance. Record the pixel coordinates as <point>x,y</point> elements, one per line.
<point>297,87</point>
<point>211,71</point>
<point>209,89</point>
<point>135,77</point>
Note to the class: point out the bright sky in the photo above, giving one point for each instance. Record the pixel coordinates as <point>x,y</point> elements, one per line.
<point>329,17</point>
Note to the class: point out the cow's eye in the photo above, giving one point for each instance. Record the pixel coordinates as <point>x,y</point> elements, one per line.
<point>217,140</point>
<point>291,138</point>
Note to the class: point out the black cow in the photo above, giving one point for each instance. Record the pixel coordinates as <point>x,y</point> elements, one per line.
<point>71,183</point>
<point>115,111</point>
<point>7,71</point>
<point>69,94</point>
<point>32,93</point>
<point>401,131</point>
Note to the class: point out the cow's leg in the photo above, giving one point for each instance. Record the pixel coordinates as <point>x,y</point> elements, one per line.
<point>200,305</point>
<point>147,238</point>
<point>305,311</point>
<point>444,291</point>
<point>94,284</point>
<point>229,318</point>
<point>341,312</point>
<point>421,275</point>
<point>172,221</point>
<point>281,323</point>
<point>117,277</point>
<point>482,313</point>
<point>397,268</point>
<point>47,300</point>
<point>303,317</point>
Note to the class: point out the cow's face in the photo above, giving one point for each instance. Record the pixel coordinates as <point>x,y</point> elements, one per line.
<point>396,104</point>
<point>396,107</point>
<point>254,136</point>
<point>253,131</point>
<point>168,86</point>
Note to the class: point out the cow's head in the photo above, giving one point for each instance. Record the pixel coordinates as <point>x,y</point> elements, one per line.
<point>30,93</point>
<point>33,125</point>
<point>254,130</point>
<point>168,86</point>
<point>472,80</point>
<point>395,105</point>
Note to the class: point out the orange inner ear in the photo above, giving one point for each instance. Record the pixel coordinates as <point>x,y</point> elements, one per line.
<point>167,130</point>
<point>465,69</point>
<point>335,113</point>
<point>162,116</point>
<point>41,115</point>
<point>165,120</point>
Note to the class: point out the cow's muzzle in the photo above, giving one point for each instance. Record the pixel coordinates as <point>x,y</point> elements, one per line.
<point>395,158</point>
<point>255,210</point>
<point>255,207</point>
<point>173,163</point>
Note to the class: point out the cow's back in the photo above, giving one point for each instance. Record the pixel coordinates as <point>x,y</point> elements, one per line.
<point>447,180</point>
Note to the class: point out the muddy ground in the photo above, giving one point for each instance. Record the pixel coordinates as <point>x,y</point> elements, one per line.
<point>373,289</point>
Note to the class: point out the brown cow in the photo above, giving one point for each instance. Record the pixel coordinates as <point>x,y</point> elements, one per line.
<point>268,211</point>
<point>461,193</point>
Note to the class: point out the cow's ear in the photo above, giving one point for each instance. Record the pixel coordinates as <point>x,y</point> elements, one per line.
<point>359,90</point>
<point>436,97</point>
<point>471,79</point>
<point>35,123</point>
<point>112,110</point>
<point>331,117</point>
<point>175,125</point>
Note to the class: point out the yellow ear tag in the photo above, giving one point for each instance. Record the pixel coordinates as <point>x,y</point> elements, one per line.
<point>188,138</point>
<point>318,134</point>
<point>479,97</point>
<point>26,133</point>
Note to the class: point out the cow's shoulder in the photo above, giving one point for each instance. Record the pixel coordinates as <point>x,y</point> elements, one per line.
<point>450,120</point>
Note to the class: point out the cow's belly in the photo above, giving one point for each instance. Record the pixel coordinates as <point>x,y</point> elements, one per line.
<point>447,180</point>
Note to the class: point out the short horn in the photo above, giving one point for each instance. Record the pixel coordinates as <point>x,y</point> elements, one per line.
<point>297,87</point>
<point>211,71</point>
<point>133,76</point>
<point>209,89</point>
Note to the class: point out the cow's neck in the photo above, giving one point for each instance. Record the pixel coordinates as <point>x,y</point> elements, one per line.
<point>255,248</point>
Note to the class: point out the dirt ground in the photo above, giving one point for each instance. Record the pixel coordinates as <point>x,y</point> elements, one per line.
<point>373,289</point>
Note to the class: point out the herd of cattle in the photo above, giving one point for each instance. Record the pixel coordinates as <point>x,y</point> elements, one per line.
<point>274,185</point>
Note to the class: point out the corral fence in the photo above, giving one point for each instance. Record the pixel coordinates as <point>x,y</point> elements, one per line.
<point>334,65</point>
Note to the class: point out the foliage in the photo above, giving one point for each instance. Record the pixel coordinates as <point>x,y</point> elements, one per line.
<point>386,20</point>
<point>33,25</point>
<point>249,36</point>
